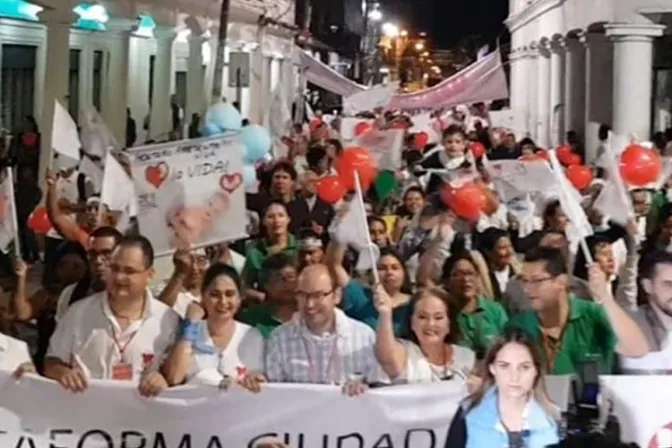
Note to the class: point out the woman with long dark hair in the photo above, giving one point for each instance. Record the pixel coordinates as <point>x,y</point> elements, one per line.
<point>428,350</point>
<point>215,349</point>
<point>511,407</point>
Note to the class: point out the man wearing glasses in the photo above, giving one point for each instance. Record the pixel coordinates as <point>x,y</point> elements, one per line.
<point>321,345</point>
<point>573,332</point>
<point>121,333</point>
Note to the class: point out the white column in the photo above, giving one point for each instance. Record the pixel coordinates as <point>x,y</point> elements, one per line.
<point>575,86</point>
<point>257,70</point>
<point>531,66</point>
<point>633,62</point>
<point>543,95</point>
<point>195,98</point>
<point>557,93</point>
<point>210,68</point>
<point>599,86</point>
<point>58,24</point>
<point>518,90</point>
<point>115,106</point>
<point>160,120</point>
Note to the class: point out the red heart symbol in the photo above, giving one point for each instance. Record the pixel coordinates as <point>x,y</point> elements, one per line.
<point>230,181</point>
<point>157,174</point>
<point>241,371</point>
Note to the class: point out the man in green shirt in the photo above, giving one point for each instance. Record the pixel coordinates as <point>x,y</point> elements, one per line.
<point>572,332</point>
<point>279,304</point>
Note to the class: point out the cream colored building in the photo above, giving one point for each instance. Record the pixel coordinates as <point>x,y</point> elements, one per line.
<point>578,63</point>
<point>111,54</point>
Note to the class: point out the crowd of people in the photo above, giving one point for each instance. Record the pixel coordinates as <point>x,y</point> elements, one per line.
<point>496,304</point>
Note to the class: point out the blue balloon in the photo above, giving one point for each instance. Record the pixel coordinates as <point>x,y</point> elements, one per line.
<point>224,116</point>
<point>250,177</point>
<point>210,129</point>
<point>257,142</point>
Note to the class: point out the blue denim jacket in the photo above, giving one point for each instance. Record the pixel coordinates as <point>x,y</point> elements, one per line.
<point>485,430</point>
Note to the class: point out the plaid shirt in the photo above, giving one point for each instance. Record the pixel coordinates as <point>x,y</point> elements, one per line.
<point>295,355</point>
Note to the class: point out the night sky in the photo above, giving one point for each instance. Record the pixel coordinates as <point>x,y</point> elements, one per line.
<point>448,21</point>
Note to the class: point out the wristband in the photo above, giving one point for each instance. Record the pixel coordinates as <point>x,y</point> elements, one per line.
<point>190,331</point>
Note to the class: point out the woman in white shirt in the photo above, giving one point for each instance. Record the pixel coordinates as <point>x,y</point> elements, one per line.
<point>213,348</point>
<point>427,354</point>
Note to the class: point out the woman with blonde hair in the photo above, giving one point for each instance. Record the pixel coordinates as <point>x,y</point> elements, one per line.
<point>511,408</point>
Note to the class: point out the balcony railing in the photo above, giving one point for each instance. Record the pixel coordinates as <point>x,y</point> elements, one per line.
<point>281,10</point>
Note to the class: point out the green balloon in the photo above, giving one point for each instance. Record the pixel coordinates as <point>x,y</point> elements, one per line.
<point>386,184</point>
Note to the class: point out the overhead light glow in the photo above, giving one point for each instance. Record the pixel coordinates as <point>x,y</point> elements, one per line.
<point>390,29</point>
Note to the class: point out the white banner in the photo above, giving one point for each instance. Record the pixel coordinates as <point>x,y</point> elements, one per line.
<point>113,415</point>
<point>482,81</point>
<point>190,193</point>
<point>385,146</point>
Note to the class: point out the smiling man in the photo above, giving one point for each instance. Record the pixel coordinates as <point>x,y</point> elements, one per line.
<point>121,333</point>
<point>321,345</point>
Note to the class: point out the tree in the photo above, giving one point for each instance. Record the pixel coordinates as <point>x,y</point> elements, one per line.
<point>221,51</point>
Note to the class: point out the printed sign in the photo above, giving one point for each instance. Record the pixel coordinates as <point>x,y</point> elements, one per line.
<point>112,414</point>
<point>190,193</point>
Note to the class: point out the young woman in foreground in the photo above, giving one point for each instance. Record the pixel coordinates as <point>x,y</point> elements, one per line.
<point>511,408</point>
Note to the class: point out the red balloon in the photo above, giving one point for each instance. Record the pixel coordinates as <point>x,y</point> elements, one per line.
<point>477,149</point>
<point>330,189</point>
<point>39,222</point>
<point>362,128</point>
<point>573,159</point>
<point>467,201</point>
<point>420,140</point>
<point>640,166</point>
<point>359,160</point>
<point>580,176</point>
<point>564,154</point>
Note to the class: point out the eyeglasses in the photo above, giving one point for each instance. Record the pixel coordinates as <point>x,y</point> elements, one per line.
<point>105,254</point>
<point>314,296</point>
<point>534,282</point>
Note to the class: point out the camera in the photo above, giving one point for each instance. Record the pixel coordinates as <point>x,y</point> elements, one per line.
<point>590,412</point>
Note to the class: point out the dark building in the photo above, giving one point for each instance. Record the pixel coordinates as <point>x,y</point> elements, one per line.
<point>336,26</point>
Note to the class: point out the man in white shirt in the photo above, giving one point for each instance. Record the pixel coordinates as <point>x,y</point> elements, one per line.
<point>321,345</point>
<point>655,318</point>
<point>120,334</point>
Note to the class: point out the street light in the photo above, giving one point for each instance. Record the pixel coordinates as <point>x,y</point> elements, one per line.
<point>390,30</point>
<point>404,33</point>
<point>420,46</point>
<point>376,15</point>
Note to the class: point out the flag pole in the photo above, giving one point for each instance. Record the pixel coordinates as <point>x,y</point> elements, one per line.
<point>15,221</point>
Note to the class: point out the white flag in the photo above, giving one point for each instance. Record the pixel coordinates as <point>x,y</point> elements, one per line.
<point>570,201</point>
<point>353,230</point>
<point>8,220</point>
<point>97,139</point>
<point>385,146</point>
<point>118,191</point>
<point>64,135</point>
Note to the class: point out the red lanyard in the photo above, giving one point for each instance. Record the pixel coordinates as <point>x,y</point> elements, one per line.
<point>122,347</point>
<point>332,363</point>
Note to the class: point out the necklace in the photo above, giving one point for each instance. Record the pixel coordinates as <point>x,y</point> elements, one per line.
<point>443,372</point>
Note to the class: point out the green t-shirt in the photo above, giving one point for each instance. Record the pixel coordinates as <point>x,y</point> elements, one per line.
<point>479,329</point>
<point>358,304</point>
<point>587,338</point>
<point>260,317</point>
<point>255,255</point>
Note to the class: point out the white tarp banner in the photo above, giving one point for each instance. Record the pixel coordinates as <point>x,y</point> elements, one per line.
<point>113,415</point>
<point>190,193</point>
